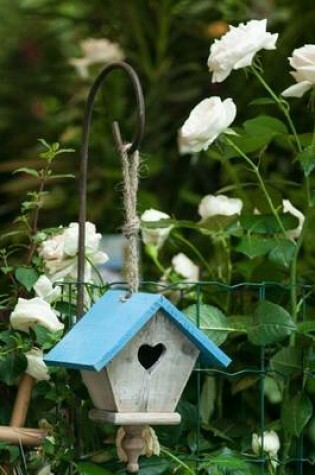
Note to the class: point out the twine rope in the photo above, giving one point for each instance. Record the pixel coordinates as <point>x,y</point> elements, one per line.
<point>130,167</point>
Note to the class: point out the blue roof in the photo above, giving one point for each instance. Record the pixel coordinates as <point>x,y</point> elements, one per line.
<point>113,321</point>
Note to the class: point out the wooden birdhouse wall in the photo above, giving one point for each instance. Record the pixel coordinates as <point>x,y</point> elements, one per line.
<point>150,372</point>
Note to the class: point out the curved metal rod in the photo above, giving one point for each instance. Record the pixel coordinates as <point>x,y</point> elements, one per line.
<point>85,151</point>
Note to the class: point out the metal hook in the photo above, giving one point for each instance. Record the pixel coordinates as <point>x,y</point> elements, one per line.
<point>138,135</point>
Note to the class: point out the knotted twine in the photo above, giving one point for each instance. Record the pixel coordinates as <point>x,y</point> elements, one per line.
<point>130,167</point>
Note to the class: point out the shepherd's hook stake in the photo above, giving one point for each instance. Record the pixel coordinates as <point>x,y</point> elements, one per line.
<point>130,161</point>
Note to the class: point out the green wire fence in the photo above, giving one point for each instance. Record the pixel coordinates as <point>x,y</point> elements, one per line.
<point>267,387</point>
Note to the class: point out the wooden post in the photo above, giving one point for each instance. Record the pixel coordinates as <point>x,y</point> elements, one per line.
<point>22,401</point>
<point>133,444</point>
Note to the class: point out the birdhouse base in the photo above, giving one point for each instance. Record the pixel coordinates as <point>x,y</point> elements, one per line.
<point>135,418</point>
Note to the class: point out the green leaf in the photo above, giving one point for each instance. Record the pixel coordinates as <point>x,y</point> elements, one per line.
<point>11,233</point>
<point>217,223</point>
<point>307,160</point>
<point>89,468</point>
<point>306,328</point>
<point>256,134</point>
<point>211,320</point>
<point>12,366</point>
<point>226,461</point>
<point>253,246</point>
<point>44,143</point>
<point>11,453</point>
<point>27,276</point>
<point>287,362</point>
<point>267,223</point>
<point>265,124</point>
<point>295,414</point>
<point>247,143</point>
<point>64,150</point>
<point>48,155</point>
<point>283,252</point>
<point>28,171</point>
<point>271,323</point>
<point>6,269</point>
<point>64,175</point>
<point>239,323</point>
<point>42,335</point>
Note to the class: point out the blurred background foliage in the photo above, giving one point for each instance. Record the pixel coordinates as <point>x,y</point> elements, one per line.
<point>167,42</point>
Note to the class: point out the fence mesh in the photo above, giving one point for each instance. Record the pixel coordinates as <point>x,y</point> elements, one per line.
<point>247,397</point>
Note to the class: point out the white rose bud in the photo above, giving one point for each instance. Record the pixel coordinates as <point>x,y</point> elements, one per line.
<point>154,236</point>
<point>35,311</point>
<point>206,122</point>
<point>269,443</point>
<point>213,205</point>
<point>237,48</point>
<point>303,61</point>
<point>185,267</point>
<point>289,208</point>
<point>36,366</point>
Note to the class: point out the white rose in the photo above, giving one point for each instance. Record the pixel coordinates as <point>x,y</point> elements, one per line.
<point>35,311</point>
<point>36,366</point>
<point>303,61</point>
<point>212,205</point>
<point>185,267</point>
<point>269,443</point>
<point>237,48</point>
<point>45,290</point>
<point>154,236</point>
<point>62,269</point>
<point>52,248</point>
<point>71,239</point>
<point>289,208</point>
<point>96,51</point>
<point>60,253</point>
<point>205,123</point>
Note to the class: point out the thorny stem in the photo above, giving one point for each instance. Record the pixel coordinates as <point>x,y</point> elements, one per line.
<point>261,183</point>
<point>293,277</point>
<point>152,252</point>
<point>34,226</point>
<point>281,104</point>
<point>195,250</point>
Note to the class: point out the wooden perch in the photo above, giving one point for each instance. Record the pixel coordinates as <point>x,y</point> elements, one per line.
<point>22,435</point>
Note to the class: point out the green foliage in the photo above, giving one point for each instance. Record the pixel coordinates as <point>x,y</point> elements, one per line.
<point>296,412</point>
<point>168,43</point>
<point>211,320</point>
<point>271,323</point>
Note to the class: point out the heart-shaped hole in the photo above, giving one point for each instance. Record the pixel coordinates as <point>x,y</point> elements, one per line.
<point>149,355</point>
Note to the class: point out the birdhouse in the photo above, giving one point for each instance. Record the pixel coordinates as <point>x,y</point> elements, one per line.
<point>135,355</point>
